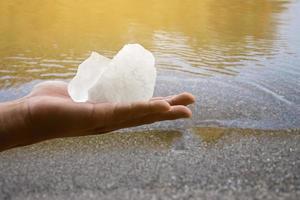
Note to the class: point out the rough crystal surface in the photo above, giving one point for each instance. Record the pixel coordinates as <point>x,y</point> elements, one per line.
<point>87,75</point>
<point>129,76</point>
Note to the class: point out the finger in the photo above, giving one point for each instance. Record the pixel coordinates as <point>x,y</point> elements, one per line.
<point>119,112</point>
<point>181,99</point>
<point>137,109</point>
<point>184,98</point>
<point>161,98</point>
<point>176,112</point>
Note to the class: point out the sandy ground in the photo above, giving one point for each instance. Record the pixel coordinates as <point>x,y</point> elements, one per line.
<point>199,163</point>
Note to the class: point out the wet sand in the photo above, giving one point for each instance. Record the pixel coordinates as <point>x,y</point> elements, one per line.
<point>208,163</point>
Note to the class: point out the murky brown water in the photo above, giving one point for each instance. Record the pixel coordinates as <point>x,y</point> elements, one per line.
<point>245,49</point>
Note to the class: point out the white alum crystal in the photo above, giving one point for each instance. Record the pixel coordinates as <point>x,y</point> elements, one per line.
<point>129,76</point>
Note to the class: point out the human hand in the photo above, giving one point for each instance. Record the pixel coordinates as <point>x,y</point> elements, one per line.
<point>49,112</point>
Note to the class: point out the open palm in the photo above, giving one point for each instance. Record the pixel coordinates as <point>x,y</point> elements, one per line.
<point>53,114</point>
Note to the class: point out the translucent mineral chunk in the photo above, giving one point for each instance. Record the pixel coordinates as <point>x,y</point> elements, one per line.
<point>129,76</point>
<point>87,75</point>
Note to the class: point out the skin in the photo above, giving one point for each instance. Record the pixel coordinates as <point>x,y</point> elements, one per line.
<point>48,112</point>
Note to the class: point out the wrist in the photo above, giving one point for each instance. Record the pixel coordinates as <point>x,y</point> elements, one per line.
<point>13,124</point>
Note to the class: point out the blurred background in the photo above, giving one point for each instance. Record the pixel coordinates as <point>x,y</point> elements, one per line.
<point>48,39</point>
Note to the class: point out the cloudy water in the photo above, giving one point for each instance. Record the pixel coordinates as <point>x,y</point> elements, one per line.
<point>241,59</point>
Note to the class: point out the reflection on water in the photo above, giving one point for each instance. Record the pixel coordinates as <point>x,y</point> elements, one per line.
<point>46,40</point>
<point>212,135</point>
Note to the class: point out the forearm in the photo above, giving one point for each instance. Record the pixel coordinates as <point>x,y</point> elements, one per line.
<point>13,122</point>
